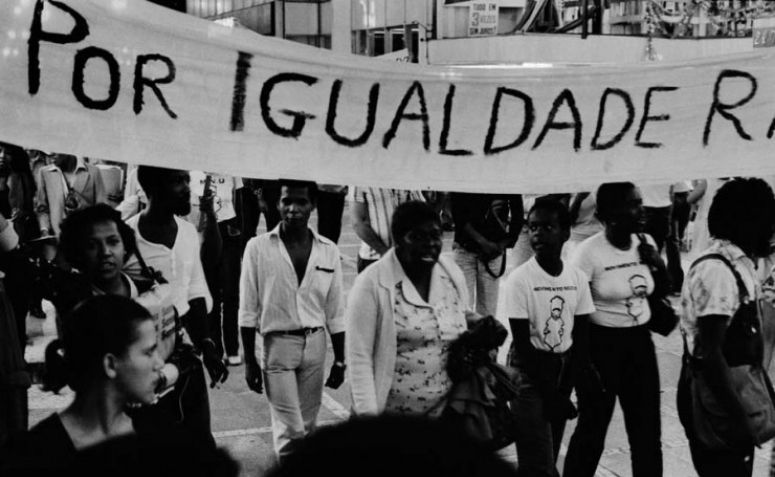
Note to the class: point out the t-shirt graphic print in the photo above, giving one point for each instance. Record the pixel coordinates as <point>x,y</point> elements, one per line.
<point>550,303</point>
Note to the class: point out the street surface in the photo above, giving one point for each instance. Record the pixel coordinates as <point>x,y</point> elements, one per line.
<point>241,421</point>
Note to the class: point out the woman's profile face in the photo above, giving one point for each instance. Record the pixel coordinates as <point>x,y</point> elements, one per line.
<point>422,244</point>
<point>137,370</point>
<point>629,215</point>
<point>104,252</point>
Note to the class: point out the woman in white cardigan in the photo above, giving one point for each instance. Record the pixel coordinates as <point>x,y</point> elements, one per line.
<point>402,314</point>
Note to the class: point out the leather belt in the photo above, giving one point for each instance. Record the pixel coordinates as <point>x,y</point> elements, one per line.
<point>300,331</point>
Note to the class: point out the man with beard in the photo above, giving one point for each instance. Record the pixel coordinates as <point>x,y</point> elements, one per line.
<point>170,246</point>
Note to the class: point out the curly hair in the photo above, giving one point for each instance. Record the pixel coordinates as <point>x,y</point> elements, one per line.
<point>78,224</point>
<point>741,209</point>
<point>610,196</point>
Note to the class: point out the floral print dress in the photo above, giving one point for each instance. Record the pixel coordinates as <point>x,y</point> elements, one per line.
<point>423,332</point>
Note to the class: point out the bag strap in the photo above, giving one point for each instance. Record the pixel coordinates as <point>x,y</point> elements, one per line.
<point>502,267</point>
<point>144,269</point>
<point>742,292</point>
<point>742,289</point>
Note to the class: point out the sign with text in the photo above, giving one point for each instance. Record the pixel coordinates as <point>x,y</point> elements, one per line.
<point>131,81</point>
<point>483,19</point>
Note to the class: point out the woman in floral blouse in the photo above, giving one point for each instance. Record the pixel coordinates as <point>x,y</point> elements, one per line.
<point>402,314</point>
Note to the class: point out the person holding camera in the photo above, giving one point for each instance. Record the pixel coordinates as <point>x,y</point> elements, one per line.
<point>485,226</point>
<point>170,246</point>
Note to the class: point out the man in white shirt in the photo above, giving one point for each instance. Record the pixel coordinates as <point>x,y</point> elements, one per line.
<point>170,245</point>
<point>290,290</point>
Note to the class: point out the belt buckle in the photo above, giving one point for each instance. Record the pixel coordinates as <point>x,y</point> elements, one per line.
<point>309,331</point>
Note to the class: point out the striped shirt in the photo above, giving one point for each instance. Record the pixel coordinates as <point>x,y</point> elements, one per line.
<point>381,203</point>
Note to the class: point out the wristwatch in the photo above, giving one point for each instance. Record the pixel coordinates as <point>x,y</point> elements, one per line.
<point>340,364</point>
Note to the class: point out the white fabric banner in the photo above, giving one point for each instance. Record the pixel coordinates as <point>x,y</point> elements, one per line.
<point>130,81</point>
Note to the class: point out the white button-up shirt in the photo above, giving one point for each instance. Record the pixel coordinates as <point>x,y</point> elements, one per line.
<point>271,298</point>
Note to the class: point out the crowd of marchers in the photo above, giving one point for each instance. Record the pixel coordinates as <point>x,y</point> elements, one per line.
<point>157,275</point>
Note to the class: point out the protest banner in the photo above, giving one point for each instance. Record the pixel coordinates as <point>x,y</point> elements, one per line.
<point>130,81</point>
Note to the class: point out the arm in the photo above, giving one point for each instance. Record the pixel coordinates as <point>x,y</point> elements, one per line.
<point>335,323</point>
<point>575,206</point>
<point>516,220</point>
<point>100,194</point>
<point>41,206</point>
<point>249,316</point>
<point>363,229</point>
<point>695,195</point>
<point>462,215</point>
<point>362,319</point>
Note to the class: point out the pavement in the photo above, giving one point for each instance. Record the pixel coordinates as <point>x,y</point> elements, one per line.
<point>241,420</point>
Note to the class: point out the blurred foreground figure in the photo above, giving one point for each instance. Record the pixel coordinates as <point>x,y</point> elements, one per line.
<point>392,445</point>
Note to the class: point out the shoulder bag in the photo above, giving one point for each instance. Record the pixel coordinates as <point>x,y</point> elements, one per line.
<point>743,351</point>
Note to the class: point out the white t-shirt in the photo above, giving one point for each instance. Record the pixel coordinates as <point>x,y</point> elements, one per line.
<point>550,303</point>
<point>656,195</point>
<point>619,282</point>
<point>180,265</point>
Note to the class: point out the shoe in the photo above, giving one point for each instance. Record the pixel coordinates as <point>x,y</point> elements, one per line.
<point>234,360</point>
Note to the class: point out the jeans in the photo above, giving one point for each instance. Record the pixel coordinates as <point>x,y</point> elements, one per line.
<point>224,288</point>
<point>626,361</point>
<point>330,207</point>
<point>293,368</point>
<point>482,287</point>
<point>707,462</point>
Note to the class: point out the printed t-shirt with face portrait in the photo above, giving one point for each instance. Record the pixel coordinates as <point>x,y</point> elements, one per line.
<point>619,282</point>
<point>550,303</point>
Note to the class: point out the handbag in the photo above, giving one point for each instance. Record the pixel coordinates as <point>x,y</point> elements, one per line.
<point>743,351</point>
<point>479,401</point>
<point>663,317</point>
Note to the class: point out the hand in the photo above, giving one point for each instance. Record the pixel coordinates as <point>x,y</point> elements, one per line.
<point>215,366</point>
<point>253,377</point>
<point>649,254</point>
<point>336,376</point>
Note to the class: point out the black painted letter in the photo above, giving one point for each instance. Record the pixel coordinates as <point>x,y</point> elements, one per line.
<point>723,109</point>
<point>601,115</point>
<point>79,32</point>
<point>447,124</point>
<point>566,96</point>
<point>527,124</point>
<point>400,114</point>
<point>646,117</point>
<point>141,82</point>
<point>371,116</point>
<point>81,59</point>
<point>299,117</point>
<point>240,91</point>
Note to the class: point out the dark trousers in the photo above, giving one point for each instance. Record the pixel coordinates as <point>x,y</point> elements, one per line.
<point>186,408</point>
<point>538,437</point>
<point>330,209</point>
<point>659,227</point>
<point>707,462</point>
<point>224,288</point>
<point>626,361</point>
